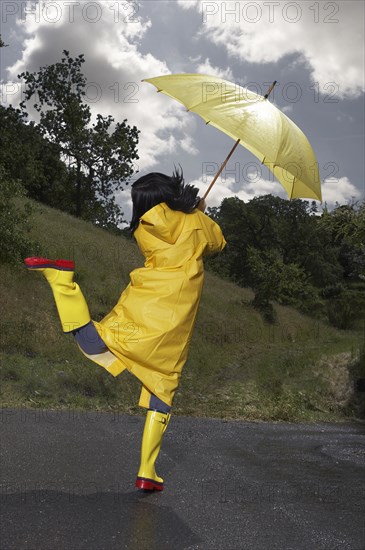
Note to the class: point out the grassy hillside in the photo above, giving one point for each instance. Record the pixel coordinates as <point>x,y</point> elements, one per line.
<point>239,367</point>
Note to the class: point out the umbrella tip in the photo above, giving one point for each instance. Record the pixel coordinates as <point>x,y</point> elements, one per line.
<point>270,89</point>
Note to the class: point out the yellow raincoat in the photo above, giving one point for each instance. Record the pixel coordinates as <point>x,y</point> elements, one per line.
<point>148,332</point>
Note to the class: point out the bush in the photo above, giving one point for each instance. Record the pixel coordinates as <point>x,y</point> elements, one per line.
<point>332,291</point>
<point>14,221</point>
<point>265,307</point>
<point>285,283</point>
<point>345,310</point>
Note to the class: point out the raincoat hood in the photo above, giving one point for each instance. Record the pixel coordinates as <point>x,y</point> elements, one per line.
<point>163,223</point>
<point>170,238</point>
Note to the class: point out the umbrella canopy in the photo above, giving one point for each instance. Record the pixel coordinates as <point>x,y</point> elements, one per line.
<point>250,118</point>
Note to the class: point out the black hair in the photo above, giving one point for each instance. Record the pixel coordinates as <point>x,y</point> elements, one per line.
<point>154,188</point>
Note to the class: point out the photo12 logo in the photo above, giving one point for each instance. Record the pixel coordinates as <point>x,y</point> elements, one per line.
<point>118,92</point>
<point>50,11</point>
<point>290,92</point>
<point>253,172</point>
<point>269,12</point>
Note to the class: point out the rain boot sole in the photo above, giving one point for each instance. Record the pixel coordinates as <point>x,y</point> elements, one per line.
<point>36,262</point>
<point>148,484</point>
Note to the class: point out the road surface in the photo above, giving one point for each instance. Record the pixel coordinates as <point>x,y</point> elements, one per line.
<point>67,483</point>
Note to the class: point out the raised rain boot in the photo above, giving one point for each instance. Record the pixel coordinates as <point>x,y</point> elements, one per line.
<point>71,304</point>
<point>154,428</point>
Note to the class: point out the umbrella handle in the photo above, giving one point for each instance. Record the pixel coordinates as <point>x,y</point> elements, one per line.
<point>221,168</point>
<point>270,89</point>
<point>234,147</point>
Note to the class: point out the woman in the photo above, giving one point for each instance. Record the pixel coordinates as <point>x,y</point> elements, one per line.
<point>149,330</point>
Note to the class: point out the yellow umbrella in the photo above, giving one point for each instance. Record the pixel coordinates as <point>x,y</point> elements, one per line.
<point>253,121</point>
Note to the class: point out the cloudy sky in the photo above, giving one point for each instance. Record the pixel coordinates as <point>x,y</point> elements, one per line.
<point>315,50</point>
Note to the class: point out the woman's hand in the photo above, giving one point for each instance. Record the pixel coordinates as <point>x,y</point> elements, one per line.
<point>202,206</point>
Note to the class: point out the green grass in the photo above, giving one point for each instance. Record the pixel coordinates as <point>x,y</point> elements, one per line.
<point>239,367</point>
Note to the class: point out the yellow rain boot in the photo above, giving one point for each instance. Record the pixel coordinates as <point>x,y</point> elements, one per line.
<point>71,304</point>
<point>154,428</point>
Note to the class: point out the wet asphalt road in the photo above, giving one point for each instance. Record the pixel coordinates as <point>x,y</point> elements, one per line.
<point>67,482</point>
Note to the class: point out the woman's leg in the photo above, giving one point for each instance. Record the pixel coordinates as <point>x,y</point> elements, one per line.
<point>157,405</point>
<point>158,416</point>
<point>71,304</point>
<point>89,340</point>
<point>157,419</point>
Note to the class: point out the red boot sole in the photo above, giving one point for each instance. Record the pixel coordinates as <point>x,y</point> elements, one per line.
<point>148,484</point>
<point>36,262</point>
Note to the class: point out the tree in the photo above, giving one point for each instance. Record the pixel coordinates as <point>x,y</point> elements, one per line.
<point>346,228</point>
<point>99,161</point>
<point>2,45</point>
<point>273,279</point>
<point>231,216</point>
<point>277,248</point>
<point>271,223</point>
<point>30,158</point>
<point>14,221</point>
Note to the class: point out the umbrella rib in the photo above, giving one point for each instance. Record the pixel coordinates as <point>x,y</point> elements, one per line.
<point>208,101</point>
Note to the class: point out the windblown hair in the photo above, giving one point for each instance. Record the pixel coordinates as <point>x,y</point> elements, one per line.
<point>155,188</point>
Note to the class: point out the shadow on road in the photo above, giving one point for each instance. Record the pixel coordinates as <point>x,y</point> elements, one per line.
<point>64,520</point>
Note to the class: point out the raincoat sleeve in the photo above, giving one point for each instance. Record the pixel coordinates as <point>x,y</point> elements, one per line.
<point>212,237</point>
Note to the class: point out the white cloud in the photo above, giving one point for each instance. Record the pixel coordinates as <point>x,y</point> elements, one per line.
<point>245,190</point>
<point>340,191</point>
<point>114,69</point>
<point>334,190</point>
<point>329,36</point>
<point>188,4</point>
<point>187,144</point>
<point>208,68</point>
<point>124,199</point>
